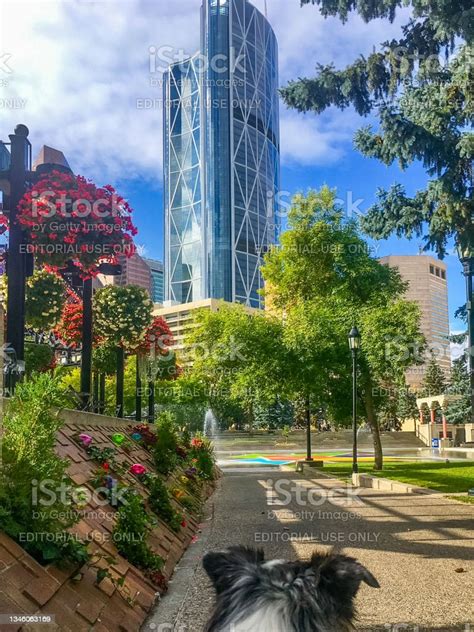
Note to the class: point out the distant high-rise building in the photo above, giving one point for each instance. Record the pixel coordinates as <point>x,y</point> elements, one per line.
<point>50,156</point>
<point>428,287</point>
<point>134,272</point>
<point>222,158</point>
<point>157,280</point>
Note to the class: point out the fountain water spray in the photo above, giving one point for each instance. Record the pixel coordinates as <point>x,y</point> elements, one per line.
<point>210,424</point>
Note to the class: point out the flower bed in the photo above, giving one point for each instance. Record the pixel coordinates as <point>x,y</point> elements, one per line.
<point>117,583</point>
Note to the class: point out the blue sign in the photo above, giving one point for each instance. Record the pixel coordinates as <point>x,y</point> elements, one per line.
<point>435,443</point>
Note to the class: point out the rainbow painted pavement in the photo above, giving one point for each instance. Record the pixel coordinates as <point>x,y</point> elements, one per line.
<point>288,459</point>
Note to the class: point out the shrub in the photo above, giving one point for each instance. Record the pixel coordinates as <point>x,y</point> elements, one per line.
<point>164,450</point>
<point>160,502</point>
<point>202,455</point>
<point>29,458</point>
<point>129,535</point>
<point>38,358</point>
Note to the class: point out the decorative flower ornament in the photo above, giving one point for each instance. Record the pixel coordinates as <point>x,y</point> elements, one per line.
<point>138,469</point>
<point>85,439</point>
<point>118,438</point>
<point>136,436</point>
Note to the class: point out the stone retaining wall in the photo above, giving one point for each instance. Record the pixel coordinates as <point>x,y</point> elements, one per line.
<point>73,596</point>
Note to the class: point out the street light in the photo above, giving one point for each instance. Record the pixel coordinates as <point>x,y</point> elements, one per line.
<point>14,178</point>
<point>354,345</point>
<point>148,366</point>
<point>466,255</point>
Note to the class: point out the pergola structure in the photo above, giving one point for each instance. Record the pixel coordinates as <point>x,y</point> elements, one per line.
<point>434,403</point>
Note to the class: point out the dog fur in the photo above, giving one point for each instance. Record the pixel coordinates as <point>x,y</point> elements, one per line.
<point>253,595</point>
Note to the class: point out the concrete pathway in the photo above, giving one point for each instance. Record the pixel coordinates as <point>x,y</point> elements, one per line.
<point>420,548</point>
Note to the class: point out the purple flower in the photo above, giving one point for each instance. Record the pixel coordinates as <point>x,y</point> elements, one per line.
<point>86,439</point>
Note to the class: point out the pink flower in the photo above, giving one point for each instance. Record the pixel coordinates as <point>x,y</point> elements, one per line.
<point>86,439</point>
<point>137,469</point>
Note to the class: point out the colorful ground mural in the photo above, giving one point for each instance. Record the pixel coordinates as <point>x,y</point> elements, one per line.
<point>287,459</point>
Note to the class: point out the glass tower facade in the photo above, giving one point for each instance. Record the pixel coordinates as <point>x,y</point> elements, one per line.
<point>222,158</point>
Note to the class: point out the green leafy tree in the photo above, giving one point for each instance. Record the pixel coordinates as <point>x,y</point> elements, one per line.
<point>239,358</point>
<point>324,279</point>
<point>185,398</point>
<point>420,85</point>
<point>38,358</point>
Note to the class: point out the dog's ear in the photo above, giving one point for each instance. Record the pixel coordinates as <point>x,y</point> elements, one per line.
<point>226,567</point>
<point>340,574</point>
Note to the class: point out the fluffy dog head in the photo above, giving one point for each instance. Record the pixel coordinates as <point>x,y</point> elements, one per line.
<point>277,596</point>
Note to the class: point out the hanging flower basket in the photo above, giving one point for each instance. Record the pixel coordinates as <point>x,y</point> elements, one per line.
<point>45,299</point>
<point>69,329</point>
<point>68,218</point>
<point>122,315</point>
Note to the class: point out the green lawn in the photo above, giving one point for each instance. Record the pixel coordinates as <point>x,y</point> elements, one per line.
<point>442,477</point>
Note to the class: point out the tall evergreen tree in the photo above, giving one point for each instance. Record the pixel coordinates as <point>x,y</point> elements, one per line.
<point>459,410</point>
<point>434,382</point>
<point>421,86</point>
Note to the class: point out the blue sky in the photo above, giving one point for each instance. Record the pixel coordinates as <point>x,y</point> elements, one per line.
<point>80,91</point>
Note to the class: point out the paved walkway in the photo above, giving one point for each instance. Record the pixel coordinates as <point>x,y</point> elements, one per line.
<point>420,548</point>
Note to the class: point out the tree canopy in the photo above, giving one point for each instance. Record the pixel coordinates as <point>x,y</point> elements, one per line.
<point>421,87</point>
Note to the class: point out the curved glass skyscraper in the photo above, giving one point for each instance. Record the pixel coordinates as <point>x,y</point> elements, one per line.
<point>222,157</point>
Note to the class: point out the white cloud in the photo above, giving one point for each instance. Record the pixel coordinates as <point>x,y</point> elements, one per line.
<point>81,66</point>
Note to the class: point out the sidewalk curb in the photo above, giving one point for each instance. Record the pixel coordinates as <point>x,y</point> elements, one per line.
<point>166,611</point>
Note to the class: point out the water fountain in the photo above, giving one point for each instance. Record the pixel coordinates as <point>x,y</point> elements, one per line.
<point>210,424</point>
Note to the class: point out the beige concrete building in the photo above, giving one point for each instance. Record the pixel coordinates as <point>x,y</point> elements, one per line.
<point>428,286</point>
<point>135,271</point>
<point>181,319</point>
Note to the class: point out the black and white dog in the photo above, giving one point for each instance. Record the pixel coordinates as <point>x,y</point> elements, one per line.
<point>277,596</point>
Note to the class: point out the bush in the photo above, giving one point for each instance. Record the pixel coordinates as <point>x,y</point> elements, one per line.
<point>129,535</point>
<point>29,459</point>
<point>160,502</point>
<point>164,450</point>
<point>202,455</point>
<point>38,358</point>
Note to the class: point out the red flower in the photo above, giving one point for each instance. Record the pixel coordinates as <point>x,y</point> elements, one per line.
<point>81,224</point>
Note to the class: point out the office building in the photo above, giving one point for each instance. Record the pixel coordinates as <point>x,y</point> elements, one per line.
<point>428,287</point>
<point>222,158</point>
<point>135,271</point>
<point>157,280</point>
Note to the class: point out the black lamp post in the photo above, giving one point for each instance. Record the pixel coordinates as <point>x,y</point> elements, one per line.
<point>14,179</point>
<point>354,345</point>
<point>466,255</point>
<point>309,452</point>
<point>120,381</point>
<point>148,365</point>
<point>138,391</point>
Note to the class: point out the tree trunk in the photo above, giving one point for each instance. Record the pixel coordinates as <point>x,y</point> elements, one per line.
<point>374,424</point>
